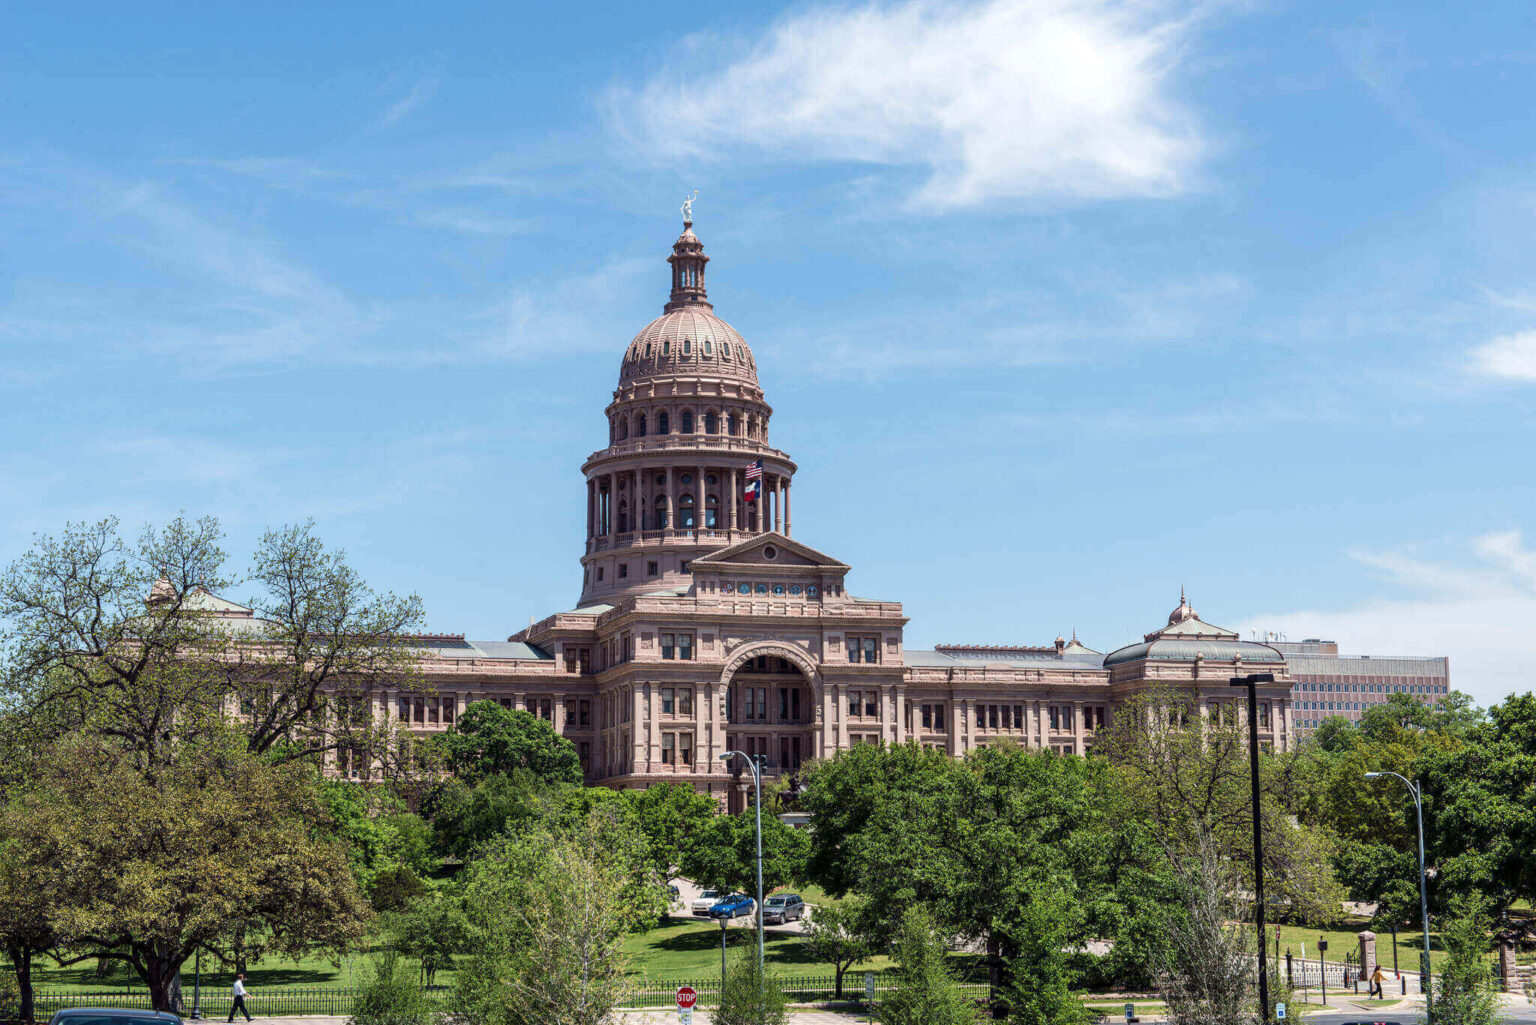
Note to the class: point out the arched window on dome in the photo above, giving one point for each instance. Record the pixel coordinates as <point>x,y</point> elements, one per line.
<point>623,428</point>
<point>687,427</point>
<point>712,512</point>
<point>732,425</point>
<point>640,426</point>
<point>666,347</point>
<point>687,347</point>
<point>711,422</point>
<point>662,426</point>
<point>751,426</point>
<point>660,521</point>
<point>685,512</point>
<point>725,350</point>
<point>709,347</point>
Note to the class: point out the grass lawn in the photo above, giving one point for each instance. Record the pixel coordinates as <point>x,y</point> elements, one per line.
<point>270,972</point>
<point>1344,939</point>
<point>690,947</point>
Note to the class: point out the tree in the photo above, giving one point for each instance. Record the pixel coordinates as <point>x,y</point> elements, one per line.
<point>548,913</point>
<point>25,928</point>
<point>722,854</point>
<point>489,740</point>
<point>925,993</point>
<point>967,839</point>
<point>671,815</point>
<point>748,997</point>
<point>465,817</point>
<point>1206,968</point>
<point>1466,994</point>
<point>837,933</point>
<point>129,639</point>
<point>148,867</point>
<point>431,929</point>
<point>1041,931</point>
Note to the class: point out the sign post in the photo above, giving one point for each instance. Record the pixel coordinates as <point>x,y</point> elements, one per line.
<point>687,996</point>
<point>1130,1011</point>
<point>1280,1012</point>
<point>869,995</point>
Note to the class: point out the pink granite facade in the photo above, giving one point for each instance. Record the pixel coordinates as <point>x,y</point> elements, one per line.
<point>705,626</point>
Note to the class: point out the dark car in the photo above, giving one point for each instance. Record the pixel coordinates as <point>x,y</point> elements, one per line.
<point>112,1016</point>
<point>782,908</point>
<point>735,906</point>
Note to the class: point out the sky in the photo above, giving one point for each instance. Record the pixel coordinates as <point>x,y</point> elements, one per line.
<point>1061,304</point>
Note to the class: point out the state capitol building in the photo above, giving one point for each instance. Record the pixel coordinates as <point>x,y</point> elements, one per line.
<point>704,625</point>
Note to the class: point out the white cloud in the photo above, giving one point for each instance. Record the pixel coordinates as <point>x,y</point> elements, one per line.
<point>1056,100</point>
<point>1512,357</point>
<point>420,93</point>
<point>1479,609</point>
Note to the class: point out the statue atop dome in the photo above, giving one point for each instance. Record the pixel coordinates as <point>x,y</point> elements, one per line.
<point>688,208</point>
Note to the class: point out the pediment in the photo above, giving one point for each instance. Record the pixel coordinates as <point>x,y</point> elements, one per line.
<point>767,550</point>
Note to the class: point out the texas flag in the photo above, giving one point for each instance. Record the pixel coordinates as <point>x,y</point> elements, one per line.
<point>754,481</point>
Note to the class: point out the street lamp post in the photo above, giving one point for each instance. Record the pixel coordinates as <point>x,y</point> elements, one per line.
<point>1252,681</point>
<point>1418,807</point>
<point>757,781</point>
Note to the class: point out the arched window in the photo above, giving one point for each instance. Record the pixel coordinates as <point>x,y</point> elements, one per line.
<point>712,512</point>
<point>662,427</point>
<point>666,348</point>
<point>660,522</point>
<point>624,428</point>
<point>725,350</point>
<point>709,347</point>
<point>640,426</point>
<point>623,517</point>
<point>730,424</point>
<point>711,423</point>
<point>687,347</point>
<point>687,421</point>
<point>685,512</point>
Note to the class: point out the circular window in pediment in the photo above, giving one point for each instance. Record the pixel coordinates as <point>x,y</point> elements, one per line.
<point>770,552</point>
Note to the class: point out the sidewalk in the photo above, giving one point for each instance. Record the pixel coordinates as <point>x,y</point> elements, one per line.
<point>626,1017</point>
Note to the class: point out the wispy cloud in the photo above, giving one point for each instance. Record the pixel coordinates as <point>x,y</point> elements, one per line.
<point>1475,605</point>
<point>418,97</point>
<point>1056,100</point>
<point>1512,357</point>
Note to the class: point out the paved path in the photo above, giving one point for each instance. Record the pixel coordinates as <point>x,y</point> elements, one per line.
<point>626,1017</point>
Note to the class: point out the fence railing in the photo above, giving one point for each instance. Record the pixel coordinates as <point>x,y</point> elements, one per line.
<point>273,1002</point>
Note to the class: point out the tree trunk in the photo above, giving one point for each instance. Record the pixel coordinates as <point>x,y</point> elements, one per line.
<point>21,957</point>
<point>159,970</point>
<point>995,975</point>
<point>839,971</point>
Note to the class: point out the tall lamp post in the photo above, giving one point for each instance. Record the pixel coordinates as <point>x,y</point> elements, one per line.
<point>757,781</point>
<point>1252,681</point>
<point>1418,807</point>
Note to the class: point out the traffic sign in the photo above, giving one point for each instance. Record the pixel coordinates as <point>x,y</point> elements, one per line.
<point>1130,1011</point>
<point>687,996</point>
<point>869,986</point>
<point>1280,1012</point>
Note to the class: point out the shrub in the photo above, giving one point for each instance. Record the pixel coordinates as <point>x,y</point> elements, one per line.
<point>748,998</point>
<point>925,993</point>
<point>392,997</point>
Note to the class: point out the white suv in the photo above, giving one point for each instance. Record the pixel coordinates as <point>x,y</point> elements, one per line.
<point>705,901</point>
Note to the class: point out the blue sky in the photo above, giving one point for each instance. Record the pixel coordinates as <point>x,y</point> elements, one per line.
<point>1061,304</point>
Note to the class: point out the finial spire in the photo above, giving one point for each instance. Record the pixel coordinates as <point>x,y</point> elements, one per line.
<point>688,260</point>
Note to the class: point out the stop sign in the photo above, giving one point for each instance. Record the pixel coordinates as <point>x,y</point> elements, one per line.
<point>686,997</point>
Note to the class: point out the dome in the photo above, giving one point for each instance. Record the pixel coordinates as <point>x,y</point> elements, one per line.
<point>690,340</point>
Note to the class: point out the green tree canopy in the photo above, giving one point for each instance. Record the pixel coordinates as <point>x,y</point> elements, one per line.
<point>148,867</point>
<point>671,815</point>
<point>722,853</point>
<point>489,740</point>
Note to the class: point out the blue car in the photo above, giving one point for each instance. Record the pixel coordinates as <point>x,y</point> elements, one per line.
<point>736,905</point>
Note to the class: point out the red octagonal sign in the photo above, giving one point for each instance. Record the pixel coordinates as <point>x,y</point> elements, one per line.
<point>686,997</point>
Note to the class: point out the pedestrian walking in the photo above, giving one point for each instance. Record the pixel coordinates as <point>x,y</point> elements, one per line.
<point>239,1002</point>
<point>1377,977</point>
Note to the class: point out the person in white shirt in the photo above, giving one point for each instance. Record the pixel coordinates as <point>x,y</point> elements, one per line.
<point>239,1004</point>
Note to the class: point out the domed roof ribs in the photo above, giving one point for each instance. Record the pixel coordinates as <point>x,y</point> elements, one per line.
<point>687,262</point>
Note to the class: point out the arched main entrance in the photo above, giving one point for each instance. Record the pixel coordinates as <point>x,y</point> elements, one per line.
<point>772,702</point>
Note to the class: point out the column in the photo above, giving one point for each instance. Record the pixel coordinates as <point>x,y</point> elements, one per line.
<point>778,504</point>
<point>613,519</point>
<point>1077,727</point>
<point>901,713</point>
<point>840,706</point>
<point>952,711</point>
<point>671,490</point>
<point>730,500</point>
<point>700,495</point>
<point>637,732</point>
<point>786,508</point>
<point>652,727</point>
<point>643,496</point>
<point>591,514</point>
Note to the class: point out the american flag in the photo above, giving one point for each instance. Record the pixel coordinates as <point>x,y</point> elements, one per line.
<point>754,481</point>
<point>755,470</point>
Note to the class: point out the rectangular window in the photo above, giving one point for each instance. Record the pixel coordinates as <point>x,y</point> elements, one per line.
<point>853,703</point>
<point>1007,717</point>
<point>450,707</point>
<point>794,706</point>
<point>586,713</point>
<point>784,704</point>
<point>668,748</point>
<point>927,717</point>
<point>666,701</point>
<point>871,649</point>
<point>685,646</point>
<point>1018,717</point>
<point>1263,715</point>
<point>403,709</point>
<point>992,717</point>
<point>545,710</point>
<point>685,748</point>
<point>419,707</point>
<point>1066,718</point>
<point>651,569</point>
<point>432,707</point>
<point>762,702</point>
<point>668,645</point>
<point>685,701</point>
<point>871,703</point>
<point>938,717</point>
<point>623,570</point>
<point>1056,721</point>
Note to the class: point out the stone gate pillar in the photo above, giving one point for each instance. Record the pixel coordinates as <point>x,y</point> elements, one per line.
<point>1367,954</point>
<point>1508,979</point>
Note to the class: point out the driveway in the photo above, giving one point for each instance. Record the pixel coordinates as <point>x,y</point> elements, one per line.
<point>688,891</point>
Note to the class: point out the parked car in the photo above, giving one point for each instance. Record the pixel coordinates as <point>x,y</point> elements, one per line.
<point>112,1016</point>
<point>782,907</point>
<point>705,901</point>
<point>675,893</point>
<point>737,905</point>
